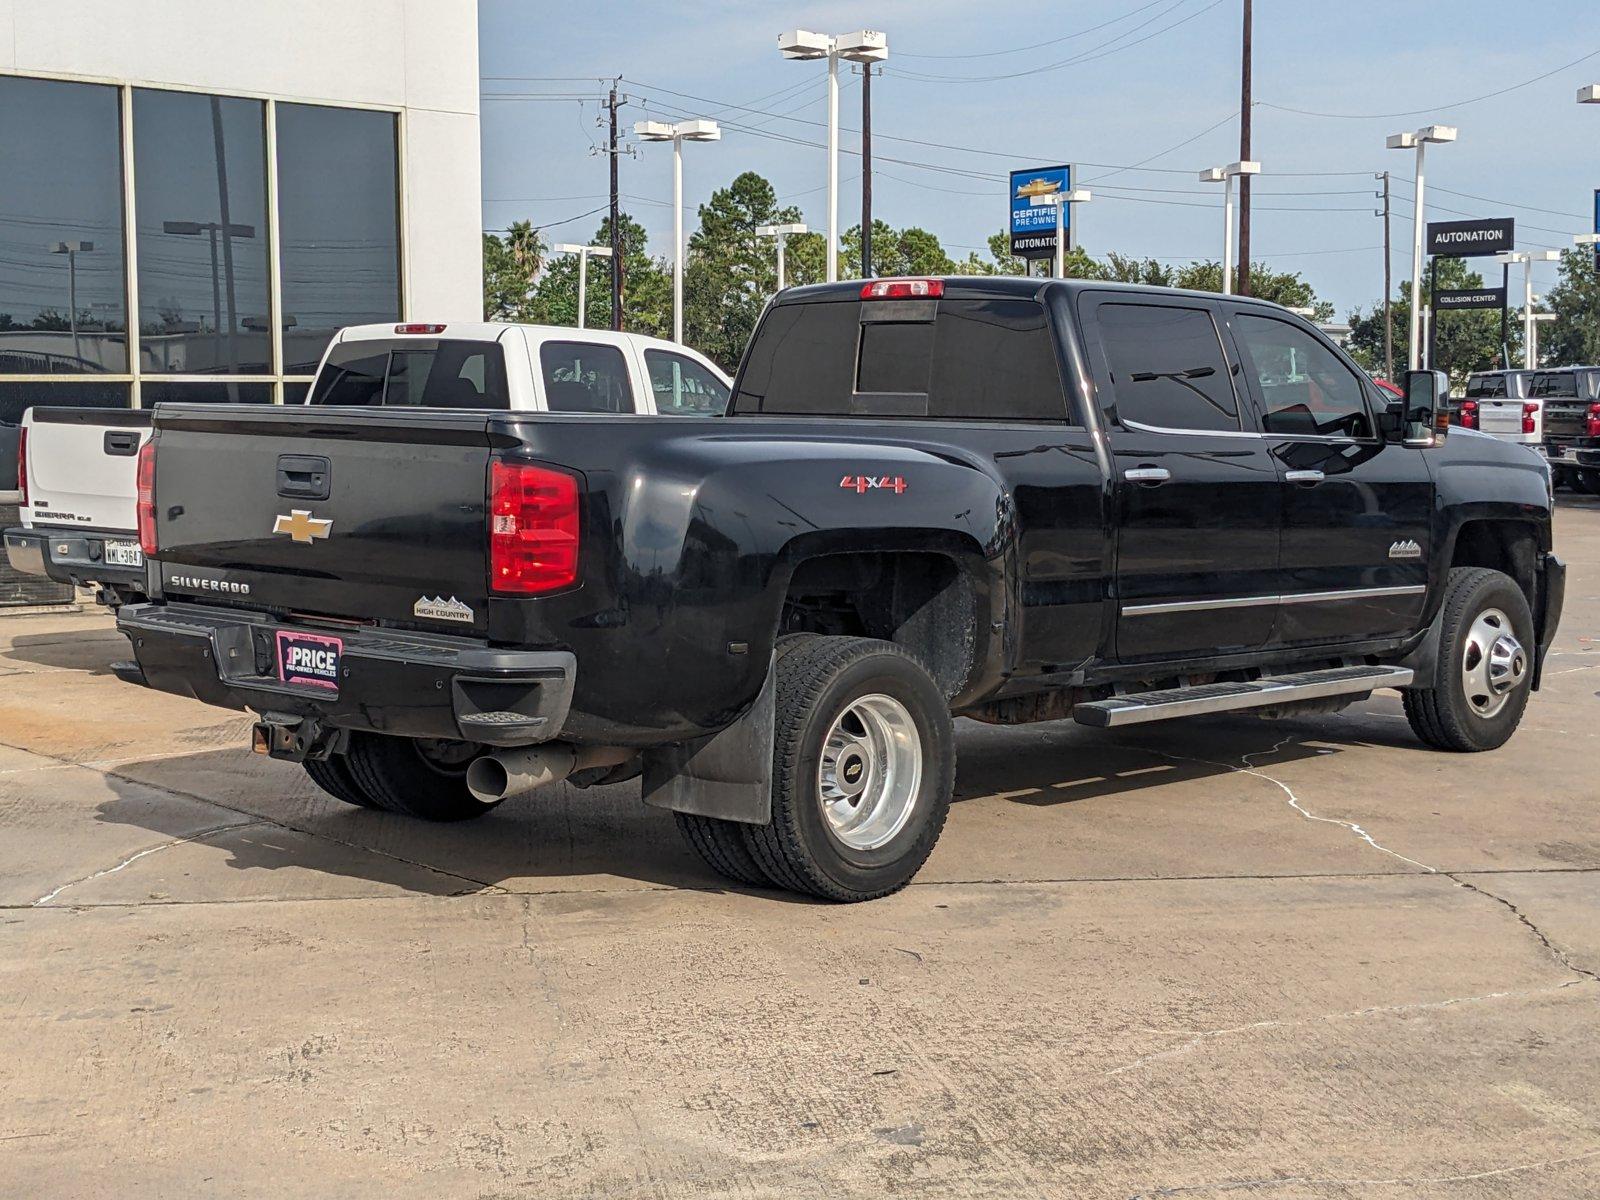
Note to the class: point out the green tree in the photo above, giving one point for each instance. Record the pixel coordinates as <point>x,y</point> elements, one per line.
<point>647,287</point>
<point>1122,269</point>
<point>1573,338</point>
<point>731,271</point>
<point>1280,287</point>
<point>510,265</point>
<point>1466,341</point>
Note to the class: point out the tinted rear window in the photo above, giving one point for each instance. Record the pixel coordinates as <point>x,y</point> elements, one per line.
<point>1564,384</point>
<point>414,373</point>
<point>969,360</point>
<point>1485,386</point>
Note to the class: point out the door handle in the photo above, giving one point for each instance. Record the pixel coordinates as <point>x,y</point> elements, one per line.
<point>1147,474</point>
<point>122,445</point>
<point>1304,476</point>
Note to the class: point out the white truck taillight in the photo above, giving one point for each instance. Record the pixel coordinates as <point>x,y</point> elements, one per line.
<point>1530,418</point>
<point>533,529</point>
<point>22,464</point>
<point>147,497</point>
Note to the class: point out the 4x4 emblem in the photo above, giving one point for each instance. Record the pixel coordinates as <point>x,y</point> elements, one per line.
<point>301,526</point>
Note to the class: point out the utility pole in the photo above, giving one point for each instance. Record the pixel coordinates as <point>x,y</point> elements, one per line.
<point>1388,289</point>
<point>1244,155</point>
<point>866,170</point>
<point>616,217</point>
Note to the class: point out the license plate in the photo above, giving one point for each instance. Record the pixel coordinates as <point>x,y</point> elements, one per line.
<point>310,659</point>
<point>124,554</point>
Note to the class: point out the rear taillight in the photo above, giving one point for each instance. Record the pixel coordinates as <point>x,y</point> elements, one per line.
<point>1530,417</point>
<point>147,497</point>
<point>1591,427</point>
<point>22,464</point>
<point>1467,414</point>
<point>418,327</point>
<point>533,529</point>
<point>902,289</point>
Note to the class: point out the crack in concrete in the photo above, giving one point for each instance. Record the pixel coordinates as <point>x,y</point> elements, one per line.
<point>145,853</point>
<point>1556,952</point>
<point>1237,1185</point>
<point>1200,1037</point>
<point>1249,768</point>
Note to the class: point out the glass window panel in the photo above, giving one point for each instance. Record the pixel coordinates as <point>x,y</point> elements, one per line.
<point>200,174</point>
<point>995,360</point>
<point>682,387</point>
<point>164,391</point>
<point>1167,368</point>
<point>338,213</point>
<point>583,377</point>
<point>1305,388</point>
<point>296,392</point>
<point>63,301</point>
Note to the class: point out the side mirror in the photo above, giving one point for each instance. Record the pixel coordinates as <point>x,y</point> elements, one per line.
<point>1425,419</point>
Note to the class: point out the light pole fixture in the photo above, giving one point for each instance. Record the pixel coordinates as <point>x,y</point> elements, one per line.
<point>1533,330</point>
<point>583,253</point>
<point>1418,141</point>
<point>1225,176</point>
<point>1589,94</point>
<point>698,130</point>
<point>72,250</point>
<point>779,233</point>
<point>1527,258</point>
<point>229,231</point>
<point>864,46</point>
<point>1062,202</point>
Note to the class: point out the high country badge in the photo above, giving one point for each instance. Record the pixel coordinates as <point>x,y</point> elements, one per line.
<point>436,608</point>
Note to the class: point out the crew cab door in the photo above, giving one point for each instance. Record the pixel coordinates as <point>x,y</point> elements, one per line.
<point>1356,509</point>
<point>1196,506</point>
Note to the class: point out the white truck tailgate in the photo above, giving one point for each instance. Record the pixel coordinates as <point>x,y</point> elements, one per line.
<point>1503,419</point>
<point>83,467</point>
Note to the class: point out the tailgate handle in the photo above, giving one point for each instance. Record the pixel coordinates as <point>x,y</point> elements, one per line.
<point>121,443</point>
<point>304,476</point>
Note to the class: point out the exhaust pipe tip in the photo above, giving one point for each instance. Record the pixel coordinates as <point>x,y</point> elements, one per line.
<point>488,780</point>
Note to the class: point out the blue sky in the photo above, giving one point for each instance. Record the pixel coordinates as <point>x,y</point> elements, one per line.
<point>1152,76</point>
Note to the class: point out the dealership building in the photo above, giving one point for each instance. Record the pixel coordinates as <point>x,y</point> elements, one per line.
<point>195,194</point>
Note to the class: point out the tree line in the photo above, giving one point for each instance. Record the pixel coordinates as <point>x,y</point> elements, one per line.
<point>730,273</point>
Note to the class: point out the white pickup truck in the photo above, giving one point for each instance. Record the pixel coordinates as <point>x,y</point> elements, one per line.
<point>77,466</point>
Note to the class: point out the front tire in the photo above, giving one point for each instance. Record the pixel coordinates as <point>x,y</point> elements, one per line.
<point>1485,665</point>
<point>415,777</point>
<point>863,767</point>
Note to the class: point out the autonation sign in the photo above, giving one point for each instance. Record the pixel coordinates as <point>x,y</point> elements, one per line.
<point>1469,239</point>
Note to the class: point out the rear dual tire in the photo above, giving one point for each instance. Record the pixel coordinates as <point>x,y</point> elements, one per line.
<point>409,776</point>
<point>863,768</point>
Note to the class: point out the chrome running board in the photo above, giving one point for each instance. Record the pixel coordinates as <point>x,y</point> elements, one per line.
<point>1136,708</point>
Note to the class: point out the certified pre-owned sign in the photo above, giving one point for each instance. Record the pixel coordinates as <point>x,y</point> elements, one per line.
<point>1468,239</point>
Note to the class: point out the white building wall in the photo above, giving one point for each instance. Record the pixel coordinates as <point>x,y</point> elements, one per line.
<point>417,56</point>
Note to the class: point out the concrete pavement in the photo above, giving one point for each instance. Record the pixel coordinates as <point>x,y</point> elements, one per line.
<point>1292,959</point>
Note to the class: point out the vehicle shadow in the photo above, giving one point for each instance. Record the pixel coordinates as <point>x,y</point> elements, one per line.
<point>604,839</point>
<point>90,651</point>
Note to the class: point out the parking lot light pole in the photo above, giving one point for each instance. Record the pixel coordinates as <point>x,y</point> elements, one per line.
<point>699,130</point>
<point>1062,202</point>
<point>1225,176</point>
<point>583,253</point>
<point>779,233</point>
<point>1589,94</point>
<point>865,46</point>
<point>1418,141</point>
<point>1527,258</point>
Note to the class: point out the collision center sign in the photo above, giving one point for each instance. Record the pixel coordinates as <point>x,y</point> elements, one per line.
<point>1469,298</point>
<point>1033,216</point>
<point>1468,239</point>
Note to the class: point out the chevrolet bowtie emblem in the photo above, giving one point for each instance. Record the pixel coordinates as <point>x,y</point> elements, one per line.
<point>302,526</point>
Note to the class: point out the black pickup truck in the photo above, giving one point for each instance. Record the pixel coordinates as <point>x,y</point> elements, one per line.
<point>1007,499</point>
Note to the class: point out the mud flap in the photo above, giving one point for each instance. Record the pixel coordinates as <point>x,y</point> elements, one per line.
<point>727,775</point>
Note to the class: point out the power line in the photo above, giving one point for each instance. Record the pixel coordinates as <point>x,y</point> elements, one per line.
<point>1417,112</point>
<point>1167,151</point>
<point>1037,45</point>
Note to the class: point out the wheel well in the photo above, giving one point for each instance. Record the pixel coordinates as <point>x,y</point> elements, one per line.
<point>1503,546</point>
<point>922,602</point>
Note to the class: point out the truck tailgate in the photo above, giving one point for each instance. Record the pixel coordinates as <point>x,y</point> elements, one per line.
<point>82,464</point>
<point>1503,418</point>
<point>362,514</point>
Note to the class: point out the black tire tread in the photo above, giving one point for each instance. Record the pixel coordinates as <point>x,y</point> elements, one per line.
<point>333,776</point>
<point>1429,710</point>
<point>722,847</point>
<point>777,845</point>
<point>390,773</point>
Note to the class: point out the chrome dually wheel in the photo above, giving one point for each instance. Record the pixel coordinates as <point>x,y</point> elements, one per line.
<point>1493,663</point>
<point>870,772</point>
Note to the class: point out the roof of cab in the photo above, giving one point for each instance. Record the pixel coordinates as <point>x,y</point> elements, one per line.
<point>493,331</point>
<point>982,287</point>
